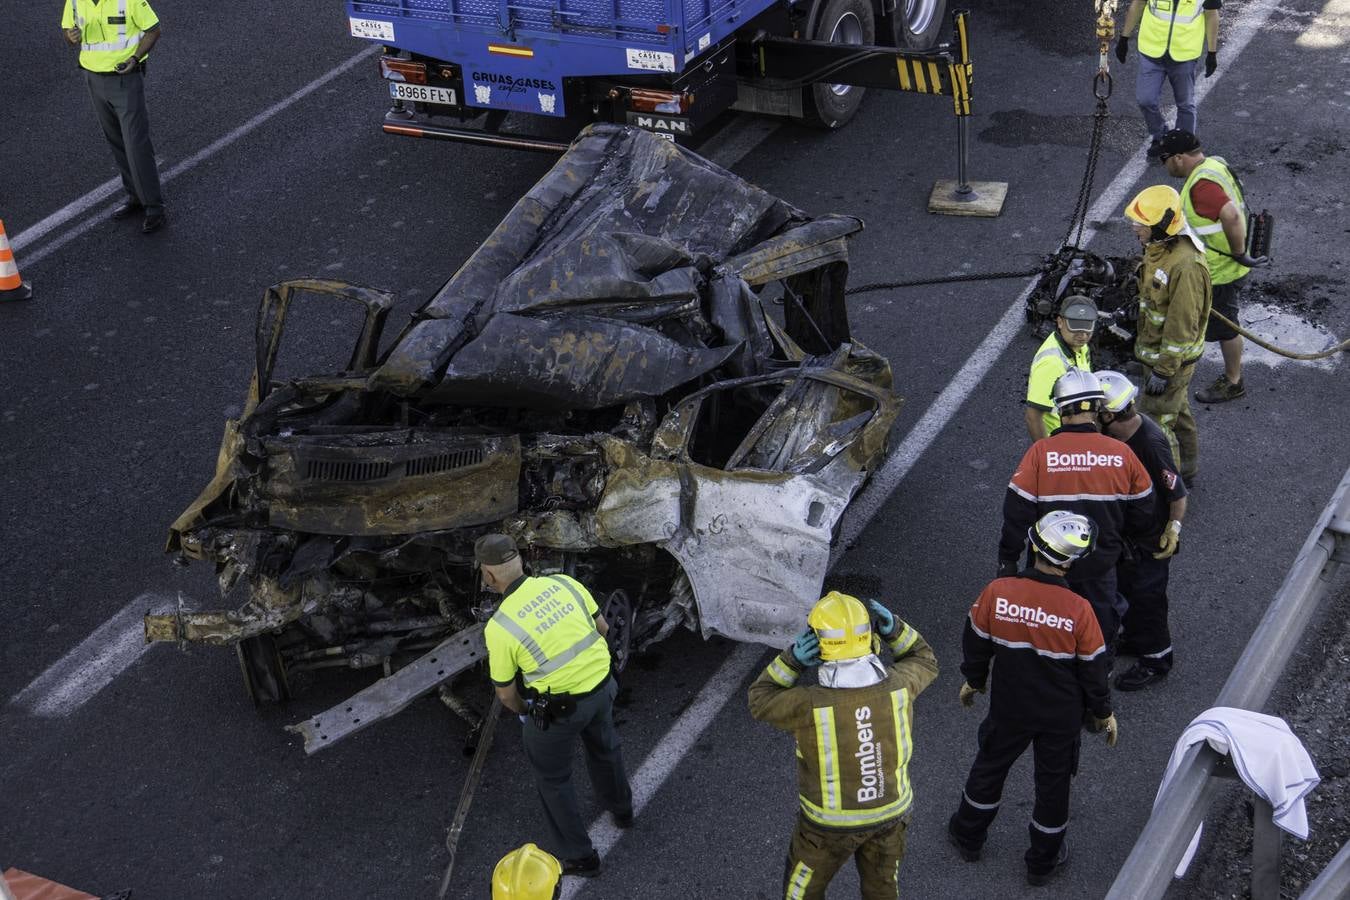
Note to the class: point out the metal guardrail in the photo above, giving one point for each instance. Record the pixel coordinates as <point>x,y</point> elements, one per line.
<point>1334,882</point>
<point>1148,869</point>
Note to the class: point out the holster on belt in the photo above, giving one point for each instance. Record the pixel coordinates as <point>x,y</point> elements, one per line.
<point>548,707</point>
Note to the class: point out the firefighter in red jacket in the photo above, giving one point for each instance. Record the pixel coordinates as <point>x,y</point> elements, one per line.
<point>1050,669</point>
<point>1079,469</point>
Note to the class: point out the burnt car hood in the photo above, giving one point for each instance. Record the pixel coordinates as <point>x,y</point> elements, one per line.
<point>558,306</point>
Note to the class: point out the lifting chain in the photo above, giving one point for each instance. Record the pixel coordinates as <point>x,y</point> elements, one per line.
<point>1101,90</point>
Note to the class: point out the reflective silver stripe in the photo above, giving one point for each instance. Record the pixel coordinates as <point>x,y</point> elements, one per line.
<point>1057,498</point>
<point>901,643</point>
<point>1048,830</point>
<point>1023,645</point>
<point>830,633</point>
<point>563,658</point>
<point>124,41</point>
<point>1021,493</point>
<point>1159,655</point>
<point>994,805</point>
<point>781,674</point>
<point>864,628</point>
<point>522,637</point>
<point>75,15</point>
<point>1180,20</point>
<point>8,269</point>
<point>576,594</point>
<point>1208,229</point>
<point>1052,351</point>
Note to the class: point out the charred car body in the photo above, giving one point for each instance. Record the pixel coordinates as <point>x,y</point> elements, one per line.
<point>604,380</point>
<point>1110,281</point>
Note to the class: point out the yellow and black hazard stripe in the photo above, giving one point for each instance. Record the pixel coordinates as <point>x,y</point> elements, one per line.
<point>924,75</point>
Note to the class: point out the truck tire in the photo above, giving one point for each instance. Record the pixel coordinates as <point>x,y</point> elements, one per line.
<point>840,22</point>
<point>918,23</point>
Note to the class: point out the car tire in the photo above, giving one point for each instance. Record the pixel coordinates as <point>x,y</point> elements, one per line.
<point>842,22</point>
<point>264,672</point>
<point>618,613</point>
<point>918,23</point>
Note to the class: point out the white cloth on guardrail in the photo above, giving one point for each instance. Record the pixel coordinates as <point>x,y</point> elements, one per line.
<point>1268,757</point>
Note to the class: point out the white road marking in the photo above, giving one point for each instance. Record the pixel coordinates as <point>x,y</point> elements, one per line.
<point>90,667</point>
<point>667,754</point>
<point>732,673</point>
<point>78,207</point>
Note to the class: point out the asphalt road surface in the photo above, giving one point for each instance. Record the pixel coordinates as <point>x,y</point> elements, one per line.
<point>151,770</point>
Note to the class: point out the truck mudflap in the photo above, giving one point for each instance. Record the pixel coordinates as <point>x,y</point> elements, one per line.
<point>390,695</point>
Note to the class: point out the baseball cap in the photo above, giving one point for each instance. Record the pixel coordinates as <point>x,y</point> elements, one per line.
<point>1080,312</point>
<point>494,550</point>
<point>1177,141</point>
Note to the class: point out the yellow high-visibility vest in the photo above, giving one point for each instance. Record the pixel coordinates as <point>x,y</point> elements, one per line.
<point>1223,269</point>
<point>1174,28</point>
<point>110,30</point>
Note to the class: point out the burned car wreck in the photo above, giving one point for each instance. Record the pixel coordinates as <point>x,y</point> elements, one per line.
<point>644,374</point>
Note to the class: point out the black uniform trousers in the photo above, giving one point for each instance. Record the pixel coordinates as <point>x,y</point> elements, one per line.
<point>119,104</point>
<point>1102,592</point>
<point>1143,581</point>
<point>550,754</point>
<point>1056,762</point>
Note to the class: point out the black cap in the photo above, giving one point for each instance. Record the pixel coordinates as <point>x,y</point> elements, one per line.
<point>494,550</point>
<point>1177,141</point>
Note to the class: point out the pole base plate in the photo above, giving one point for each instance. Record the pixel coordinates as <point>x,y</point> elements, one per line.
<point>985,199</point>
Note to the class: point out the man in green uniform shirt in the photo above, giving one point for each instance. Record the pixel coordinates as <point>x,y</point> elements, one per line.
<point>1066,347</point>
<point>115,37</point>
<point>548,637</point>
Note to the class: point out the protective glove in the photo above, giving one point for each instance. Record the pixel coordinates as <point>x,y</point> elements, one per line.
<point>1110,727</point>
<point>1251,262</point>
<point>1006,568</point>
<point>806,649</point>
<point>1170,540</point>
<point>1156,384</point>
<point>967,695</point>
<point>1211,62</point>
<point>883,621</point>
<point>1122,48</point>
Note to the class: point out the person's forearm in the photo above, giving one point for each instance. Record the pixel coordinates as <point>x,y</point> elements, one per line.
<point>1035,420</point>
<point>1176,510</point>
<point>148,40</point>
<point>1234,228</point>
<point>1132,17</point>
<point>1212,30</point>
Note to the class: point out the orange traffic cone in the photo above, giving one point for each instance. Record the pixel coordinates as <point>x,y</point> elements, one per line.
<point>12,287</point>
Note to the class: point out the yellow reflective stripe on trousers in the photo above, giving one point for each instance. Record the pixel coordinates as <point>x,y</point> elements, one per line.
<point>827,757</point>
<point>904,743</point>
<point>799,882</point>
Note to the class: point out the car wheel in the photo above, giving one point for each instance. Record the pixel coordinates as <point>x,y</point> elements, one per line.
<point>841,22</point>
<point>618,613</point>
<point>918,23</point>
<point>264,672</point>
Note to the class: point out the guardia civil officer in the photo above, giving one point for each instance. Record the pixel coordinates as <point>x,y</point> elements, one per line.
<point>115,37</point>
<point>1049,667</point>
<point>550,664</point>
<point>854,735</point>
<point>1063,349</point>
<point>527,873</point>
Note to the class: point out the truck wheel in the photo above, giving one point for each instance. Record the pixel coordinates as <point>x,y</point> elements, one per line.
<point>264,672</point>
<point>918,23</point>
<point>841,22</point>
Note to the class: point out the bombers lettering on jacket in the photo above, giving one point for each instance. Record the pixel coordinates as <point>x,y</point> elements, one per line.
<point>1079,469</point>
<point>853,744</point>
<point>1051,660</point>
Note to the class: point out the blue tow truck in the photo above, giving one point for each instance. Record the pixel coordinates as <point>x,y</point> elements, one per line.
<point>457,68</point>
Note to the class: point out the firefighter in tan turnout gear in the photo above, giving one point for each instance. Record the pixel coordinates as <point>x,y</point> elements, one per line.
<point>854,738</point>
